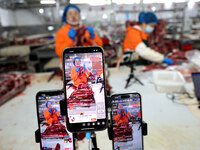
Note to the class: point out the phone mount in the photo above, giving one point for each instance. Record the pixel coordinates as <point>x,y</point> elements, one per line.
<point>63,106</point>
<point>37,136</point>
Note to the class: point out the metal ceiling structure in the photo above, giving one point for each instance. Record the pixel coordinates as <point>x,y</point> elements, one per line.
<point>17,4</point>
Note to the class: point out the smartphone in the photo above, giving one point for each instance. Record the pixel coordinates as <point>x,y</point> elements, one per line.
<point>85,97</point>
<point>126,119</point>
<point>52,126</point>
<point>196,82</point>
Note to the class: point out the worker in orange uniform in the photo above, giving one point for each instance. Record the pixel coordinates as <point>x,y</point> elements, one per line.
<point>65,37</point>
<point>136,39</point>
<point>79,73</point>
<point>122,115</point>
<point>51,114</point>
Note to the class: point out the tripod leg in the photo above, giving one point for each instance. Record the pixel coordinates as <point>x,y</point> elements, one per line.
<point>128,80</point>
<point>139,81</point>
<point>126,84</point>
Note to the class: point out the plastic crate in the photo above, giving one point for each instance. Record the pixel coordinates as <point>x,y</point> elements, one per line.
<point>194,57</point>
<point>168,81</point>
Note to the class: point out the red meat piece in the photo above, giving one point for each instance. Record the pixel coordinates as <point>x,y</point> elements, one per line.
<point>12,84</point>
<point>83,95</point>
<point>177,55</point>
<point>84,86</point>
<point>79,38</point>
<point>122,132</point>
<point>55,129</point>
<point>80,72</point>
<point>52,112</point>
<point>81,136</point>
<point>57,146</point>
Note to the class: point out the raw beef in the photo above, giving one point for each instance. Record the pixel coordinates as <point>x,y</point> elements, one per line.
<point>11,84</point>
<point>56,129</point>
<point>80,72</point>
<point>79,38</point>
<point>122,132</point>
<point>83,95</point>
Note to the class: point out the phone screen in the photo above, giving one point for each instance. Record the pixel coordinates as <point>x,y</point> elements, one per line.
<point>54,135</point>
<point>84,85</point>
<point>126,122</point>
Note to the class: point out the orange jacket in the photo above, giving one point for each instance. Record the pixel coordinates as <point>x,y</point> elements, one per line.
<point>133,38</point>
<point>139,113</point>
<point>119,119</point>
<point>49,118</point>
<point>76,79</point>
<point>63,40</point>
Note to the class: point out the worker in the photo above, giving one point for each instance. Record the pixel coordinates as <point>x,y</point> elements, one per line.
<point>65,37</point>
<point>136,39</point>
<point>79,73</point>
<point>122,115</point>
<point>51,114</point>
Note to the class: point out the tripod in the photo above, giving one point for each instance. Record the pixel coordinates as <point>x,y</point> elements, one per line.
<point>132,75</point>
<point>129,60</point>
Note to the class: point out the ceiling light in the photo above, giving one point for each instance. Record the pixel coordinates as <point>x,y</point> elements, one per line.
<point>168,5</point>
<point>47,1</point>
<point>21,1</point>
<point>50,28</point>
<point>153,8</point>
<point>83,17</point>
<point>105,16</point>
<point>41,10</point>
<point>191,4</point>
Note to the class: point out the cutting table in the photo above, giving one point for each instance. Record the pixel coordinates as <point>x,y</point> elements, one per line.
<point>170,125</point>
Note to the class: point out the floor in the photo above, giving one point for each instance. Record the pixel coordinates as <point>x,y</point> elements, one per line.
<point>170,125</point>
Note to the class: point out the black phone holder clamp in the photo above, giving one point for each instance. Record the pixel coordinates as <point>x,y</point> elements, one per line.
<point>110,130</point>
<point>37,136</point>
<point>63,106</point>
<point>94,141</point>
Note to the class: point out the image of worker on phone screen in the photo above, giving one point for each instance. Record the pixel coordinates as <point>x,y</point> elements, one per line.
<point>126,122</point>
<point>83,67</point>
<point>54,134</point>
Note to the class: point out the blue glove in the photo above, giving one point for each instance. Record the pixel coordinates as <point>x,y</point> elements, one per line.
<point>125,109</point>
<point>55,109</point>
<point>72,33</point>
<point>119,111</point>
<point>168,61</point>
<point>84,67</point>
<point>49,110</point>
<point>77,69</point>
<point>91,31</point>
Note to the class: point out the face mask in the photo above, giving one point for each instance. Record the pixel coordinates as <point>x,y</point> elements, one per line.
<point>149,29</point>
<point>73,23</point>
